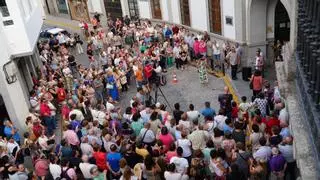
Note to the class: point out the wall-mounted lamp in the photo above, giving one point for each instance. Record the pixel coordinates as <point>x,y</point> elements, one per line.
<point>10,72</point>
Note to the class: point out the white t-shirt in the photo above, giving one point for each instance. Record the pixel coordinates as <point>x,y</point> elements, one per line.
<point>220,121</point>
<point>172,175</point>
<point>181,164</point>
<point>78,113</point>
<point>109,106</point>
<point>186,146</point>
<point>43,142</point>
<point>193,115</point>
<point>86,148</point>
<point>85,169</point>
<point>55,170</point>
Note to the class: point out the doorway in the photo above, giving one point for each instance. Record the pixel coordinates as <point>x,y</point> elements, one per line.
<point>281,24</point>
<point>79,10</point>
<point>113,9</point>
<point>3,115</point>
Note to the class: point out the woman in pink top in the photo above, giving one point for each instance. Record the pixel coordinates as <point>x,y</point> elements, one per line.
<point>257,82</point>
<point>203,48</point>
<point>171,153</point>
<point>196,47</point>
<point>166,138</point>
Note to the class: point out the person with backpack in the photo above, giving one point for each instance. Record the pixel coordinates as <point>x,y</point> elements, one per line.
<point>67,172</point>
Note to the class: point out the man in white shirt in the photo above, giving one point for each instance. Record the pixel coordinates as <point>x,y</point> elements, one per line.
<point>192,114</point>
<point>264,152</point>
<point>286,150</point>
<point>109,104</point>
<point>180,162</point>
<point>78,113</point>
<point>61,38</point>
<point>146,134</point>
<point>283,114</point>
<point>234,61</point>
<point>85,167</point>
<point>219,120</point>
<point>85,147</point>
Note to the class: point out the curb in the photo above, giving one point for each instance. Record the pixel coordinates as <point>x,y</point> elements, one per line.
<point>62,24</point>
<point>227,81</point>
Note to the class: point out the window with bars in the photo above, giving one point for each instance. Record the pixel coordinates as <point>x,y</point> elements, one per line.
<point>185,12</point>
<point>113,7</point>
<point>133,8</point>
<point>156,9</point>
<point>215,16</point>
<point>4,9</point>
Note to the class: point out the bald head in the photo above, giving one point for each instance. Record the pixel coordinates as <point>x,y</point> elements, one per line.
<point>288,140</point>
<point>85,158</point>
<point>226,90</point>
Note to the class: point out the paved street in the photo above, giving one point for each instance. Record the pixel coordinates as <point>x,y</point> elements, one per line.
<point>187,90</point>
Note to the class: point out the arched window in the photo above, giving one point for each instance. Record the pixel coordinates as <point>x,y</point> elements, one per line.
<point>156,9</point>
<point>133,8</point>
<point>185,12</point>
<point>215,16</point>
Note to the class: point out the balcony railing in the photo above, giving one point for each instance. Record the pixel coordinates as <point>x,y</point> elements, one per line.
<point>308,46</point>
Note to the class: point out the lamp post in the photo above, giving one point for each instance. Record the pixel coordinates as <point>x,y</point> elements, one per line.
<point>10,72</point>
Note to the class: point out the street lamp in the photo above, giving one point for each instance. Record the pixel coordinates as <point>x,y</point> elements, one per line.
<point>10,72</point>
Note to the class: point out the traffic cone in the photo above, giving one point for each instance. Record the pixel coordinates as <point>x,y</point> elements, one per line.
<point>174,80</point>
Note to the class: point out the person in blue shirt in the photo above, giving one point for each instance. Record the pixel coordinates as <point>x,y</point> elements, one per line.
<point>11,131</point>
<point>208,111</point>
<point>227,127</point>
<point>113,159</point>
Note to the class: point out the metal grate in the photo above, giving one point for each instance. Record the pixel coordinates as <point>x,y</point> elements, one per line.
<point>308,46</point>
<point>7,22</point>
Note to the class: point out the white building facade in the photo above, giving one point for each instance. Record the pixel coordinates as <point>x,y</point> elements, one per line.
<point>21,21</point>
<point>251,23</point>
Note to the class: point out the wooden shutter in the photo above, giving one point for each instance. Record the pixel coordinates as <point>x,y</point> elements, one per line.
<point>185,12</point>
<point>215,19</point>
<point>156,9</point>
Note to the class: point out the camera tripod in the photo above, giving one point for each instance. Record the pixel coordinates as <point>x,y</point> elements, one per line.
<point>156,96</point>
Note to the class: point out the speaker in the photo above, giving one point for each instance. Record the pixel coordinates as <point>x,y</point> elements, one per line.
<point>246,73</point>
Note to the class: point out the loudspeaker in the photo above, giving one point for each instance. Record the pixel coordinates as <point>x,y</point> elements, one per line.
<point>246,73</point>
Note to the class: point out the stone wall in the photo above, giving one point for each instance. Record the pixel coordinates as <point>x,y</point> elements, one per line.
<point>290,83</point>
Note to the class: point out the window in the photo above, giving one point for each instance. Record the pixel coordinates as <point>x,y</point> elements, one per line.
<point>215,16</point>
<point>133,8</point>
<point>113,8</point>
<point>4,8</point>
<point>156,10</point>
<point>185,13</point>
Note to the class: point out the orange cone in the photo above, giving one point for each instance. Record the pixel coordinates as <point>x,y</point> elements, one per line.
<point>174,80</point>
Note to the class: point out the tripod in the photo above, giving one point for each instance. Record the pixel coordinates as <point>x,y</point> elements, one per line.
<point>156,95</point>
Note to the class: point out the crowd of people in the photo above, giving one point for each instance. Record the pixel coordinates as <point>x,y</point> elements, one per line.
<point>101,140</point>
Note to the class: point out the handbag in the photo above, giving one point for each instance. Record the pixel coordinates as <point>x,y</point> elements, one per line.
<point>251,83</point>
<point>109,86</point>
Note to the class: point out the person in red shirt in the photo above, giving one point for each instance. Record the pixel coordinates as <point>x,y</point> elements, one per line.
<point>273,121</point>
<point>100,158</point>
<point>45,113</point>
<point>148,71</point>
<point>175,29</point>
<point>234,111</point>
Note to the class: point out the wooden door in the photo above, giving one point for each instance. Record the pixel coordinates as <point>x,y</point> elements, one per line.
<point>156,9</point>
<point>215,19</point>
<point>185,12</point>
<point>79,10</point>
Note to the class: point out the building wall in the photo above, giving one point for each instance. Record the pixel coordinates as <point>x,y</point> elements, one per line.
<point>26,27</point>
<point>165,10</point>
<point>27,21</point>
<point>199,15</point>
<point>229,31</point>
<point>176,11</point>
<point>144,9</point>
